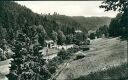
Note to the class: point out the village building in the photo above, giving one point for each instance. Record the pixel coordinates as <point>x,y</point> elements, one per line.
<point>91,31</point>
<point>78,31</point>
<point>50,44</point>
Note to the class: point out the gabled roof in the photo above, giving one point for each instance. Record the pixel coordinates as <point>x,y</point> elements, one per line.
<point>78,31</point>
<point>49,41</point>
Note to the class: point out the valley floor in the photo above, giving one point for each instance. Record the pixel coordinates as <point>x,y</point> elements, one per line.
<point>103,54</point>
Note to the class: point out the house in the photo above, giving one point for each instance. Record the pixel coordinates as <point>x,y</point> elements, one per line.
<point>91,31</point>
<point>78,31</point>
<point>50,44</point>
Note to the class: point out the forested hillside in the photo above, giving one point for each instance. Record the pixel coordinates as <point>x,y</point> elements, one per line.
<point>14,18</point>
<point>66,23</point>
<point>92,23</point>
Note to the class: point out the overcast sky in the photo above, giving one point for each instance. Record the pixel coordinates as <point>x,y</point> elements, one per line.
<point>70,8</point>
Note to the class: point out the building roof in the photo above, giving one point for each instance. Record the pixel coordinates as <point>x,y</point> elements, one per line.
<point>49,41</point>
<point>78,31</point>
<point>91,31</point>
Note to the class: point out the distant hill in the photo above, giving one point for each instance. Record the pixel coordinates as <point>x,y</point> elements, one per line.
<point>79,22</point>
<point>66,22</point>
<point>14,17</point>
<point>92,23</point>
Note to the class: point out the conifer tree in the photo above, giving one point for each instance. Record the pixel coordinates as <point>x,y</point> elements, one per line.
<point>28,64</point>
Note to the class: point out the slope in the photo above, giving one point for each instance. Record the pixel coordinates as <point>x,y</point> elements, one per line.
<point>104,53</point>
<point>92,23</point>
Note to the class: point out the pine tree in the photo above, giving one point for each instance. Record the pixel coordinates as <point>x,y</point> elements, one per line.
<point>28,64</point>
<point>54,36</point>
<point>61,38</point>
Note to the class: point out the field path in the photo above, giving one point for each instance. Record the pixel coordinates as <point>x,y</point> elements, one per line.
<point>104,54</point>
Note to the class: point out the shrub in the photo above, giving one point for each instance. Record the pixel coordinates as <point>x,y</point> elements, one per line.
<point>79,57</point>
<point>63,54</point>
<point>84,47</point>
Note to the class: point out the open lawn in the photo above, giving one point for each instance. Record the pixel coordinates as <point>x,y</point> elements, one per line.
<point>104,54</point>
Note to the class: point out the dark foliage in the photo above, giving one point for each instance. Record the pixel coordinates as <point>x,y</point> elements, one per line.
<point>28,64</point>
<point>15,17</point>
<point>66,23</point>
<point>103,30</point>
<point>121,21</point>
<point>79,57</point>
<point>115,28</point>
<point>92,36</point>
<point>91,23</point>
<point>61,38</point>
<point>63,54</point>
<point>79,38</point>
<point>120,5</point>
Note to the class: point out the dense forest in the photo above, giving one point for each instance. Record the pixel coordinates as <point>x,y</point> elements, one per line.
<point>118,26</point>
<point>15,17</point>
<point>92,23</point>
<point>83,23</point>
<point>66,23</point>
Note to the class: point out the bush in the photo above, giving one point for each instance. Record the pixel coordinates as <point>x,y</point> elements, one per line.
<point>64,54</point>
<point>84,47</point>
<point>79,57</point>
<point>92,36</point>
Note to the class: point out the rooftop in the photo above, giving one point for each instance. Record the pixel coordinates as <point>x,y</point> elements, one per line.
<point>78,31</point>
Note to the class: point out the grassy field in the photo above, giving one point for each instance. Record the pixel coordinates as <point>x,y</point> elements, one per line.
<point>114,73</point>
<point>104,54</point>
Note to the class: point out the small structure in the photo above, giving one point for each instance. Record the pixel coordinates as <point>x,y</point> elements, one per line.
<point>50,43</point>
<point>78,31</point>
<point>91,31</point>
<point>65,46</point>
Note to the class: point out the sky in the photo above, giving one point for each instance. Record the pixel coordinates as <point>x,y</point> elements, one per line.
<point>69,8</point>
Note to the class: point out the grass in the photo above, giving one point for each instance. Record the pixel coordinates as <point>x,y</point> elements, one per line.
<point>105,54</point>
<point>113,73</point>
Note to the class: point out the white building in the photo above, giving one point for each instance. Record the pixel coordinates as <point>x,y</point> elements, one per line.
<point>78,31</point>
<point>50,44</point>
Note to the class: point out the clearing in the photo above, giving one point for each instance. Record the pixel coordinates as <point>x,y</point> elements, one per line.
<point>104,53</point>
